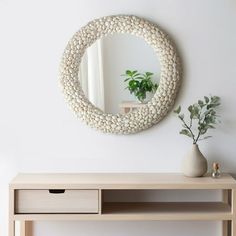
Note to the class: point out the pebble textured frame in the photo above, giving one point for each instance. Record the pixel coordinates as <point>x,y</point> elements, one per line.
<point>142,118</point>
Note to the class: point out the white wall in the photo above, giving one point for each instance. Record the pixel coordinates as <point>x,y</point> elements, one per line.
<point>39,133</point>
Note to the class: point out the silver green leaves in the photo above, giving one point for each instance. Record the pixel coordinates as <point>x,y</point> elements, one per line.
<point>202,116</point>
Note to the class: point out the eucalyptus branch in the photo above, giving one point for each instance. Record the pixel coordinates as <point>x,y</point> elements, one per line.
<point>198,136</point>
<point>191,123</point>
<point>189,128</point>
<point>204,112</point>
<point>199,123</point>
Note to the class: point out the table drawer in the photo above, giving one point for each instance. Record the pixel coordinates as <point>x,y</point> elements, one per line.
<point>56,201</point>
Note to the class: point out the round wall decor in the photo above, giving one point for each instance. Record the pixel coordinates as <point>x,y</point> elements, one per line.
<point>145,116</point>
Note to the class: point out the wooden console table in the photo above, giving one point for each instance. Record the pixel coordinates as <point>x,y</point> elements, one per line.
<point>35,197</point>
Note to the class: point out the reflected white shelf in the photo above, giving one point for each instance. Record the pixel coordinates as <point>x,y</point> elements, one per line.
<point>127,106</point>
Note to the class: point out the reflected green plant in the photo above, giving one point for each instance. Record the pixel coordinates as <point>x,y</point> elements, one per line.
<point>140,84</point>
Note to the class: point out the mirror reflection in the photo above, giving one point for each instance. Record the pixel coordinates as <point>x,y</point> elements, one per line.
<point>119,73</point>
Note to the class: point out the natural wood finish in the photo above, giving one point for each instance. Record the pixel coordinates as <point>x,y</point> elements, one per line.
<point>168,210</point>
<point>31,191</point>
<point>42,201</point>
<point>226,198</point>
<point>120,181</point>
<point>100,201</point>
<point>126,217</point>
<point>26,228</point>
<point>11,229</point>
<point>233,222</point>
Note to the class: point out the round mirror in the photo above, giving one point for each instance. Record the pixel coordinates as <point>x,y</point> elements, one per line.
<point>120,74</point>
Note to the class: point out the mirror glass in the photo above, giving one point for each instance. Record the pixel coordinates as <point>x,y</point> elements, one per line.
<point>119,73</point>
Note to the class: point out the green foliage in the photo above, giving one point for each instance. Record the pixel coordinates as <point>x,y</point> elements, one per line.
<point>202,116</point>
<point>140,84</point>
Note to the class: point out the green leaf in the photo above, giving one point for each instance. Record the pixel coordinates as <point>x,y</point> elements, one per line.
<point>210,126</point>
<point>204,113</point>
<point>195,112</point>
<point>190,108</point>
<point>139,77</point>
<point>215,99</point>
<point>203,131</point>
<point>206,137</point>
<point>207,112</point>
<point>128,72</point>
<point>201,103</point>
<point>213,105</point>
<point>135,74</point>
<point>206,99</point>
<point>186,132</point>
<point>177,110</point>
<point>149,74</point>
<point>213,113</point>
<point>181,116</point>
<point>140,84</point>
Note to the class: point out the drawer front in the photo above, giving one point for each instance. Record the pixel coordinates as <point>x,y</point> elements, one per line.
<point>56,201</point>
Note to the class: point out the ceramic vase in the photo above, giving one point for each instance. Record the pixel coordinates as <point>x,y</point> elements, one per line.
<point>194,164</point>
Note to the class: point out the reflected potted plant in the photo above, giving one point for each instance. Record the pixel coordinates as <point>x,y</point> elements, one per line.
<point>202,116</point>
<point>140,84</point>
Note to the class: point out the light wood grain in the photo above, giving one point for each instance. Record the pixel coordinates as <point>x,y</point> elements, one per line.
<point>29,194</point>
<point>100,199</point>
<point>71,201</point>
<point>233,222</point>
<point>11,228</point>
<point>150,211</point>
<point>26,228</point>
<point>226,198</point>
<point>120,181</point>
<point>170,210</point>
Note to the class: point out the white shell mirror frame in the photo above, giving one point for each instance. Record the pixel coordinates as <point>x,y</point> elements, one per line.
<point>143,117</point>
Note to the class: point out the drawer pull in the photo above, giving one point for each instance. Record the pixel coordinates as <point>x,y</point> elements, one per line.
<point>56,191</point>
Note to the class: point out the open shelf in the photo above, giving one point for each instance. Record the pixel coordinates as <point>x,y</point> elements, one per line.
<point>167,210</point>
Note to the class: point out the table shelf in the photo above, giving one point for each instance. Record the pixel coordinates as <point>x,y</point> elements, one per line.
<point>168,210</point>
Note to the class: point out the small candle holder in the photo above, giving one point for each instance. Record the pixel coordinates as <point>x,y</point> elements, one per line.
<point>215,170</point>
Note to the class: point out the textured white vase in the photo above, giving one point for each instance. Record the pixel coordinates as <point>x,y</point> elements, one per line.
<point>194,164</point>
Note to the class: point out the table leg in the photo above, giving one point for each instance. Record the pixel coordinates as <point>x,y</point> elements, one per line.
<point>11,229</point>
<point>225,228</point>
<point>26,228</point>
<point>233,209</point>
<point>233,228</point>
<point>226,198</point>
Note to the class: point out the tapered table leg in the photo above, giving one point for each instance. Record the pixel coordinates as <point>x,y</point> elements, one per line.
<point>233,209</point>
<point>26,228</point>
<point>226,198</point>
<point>11,230</point>
<point>11,223</point>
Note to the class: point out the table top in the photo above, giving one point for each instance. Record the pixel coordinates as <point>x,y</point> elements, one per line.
<point>120,181</point>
